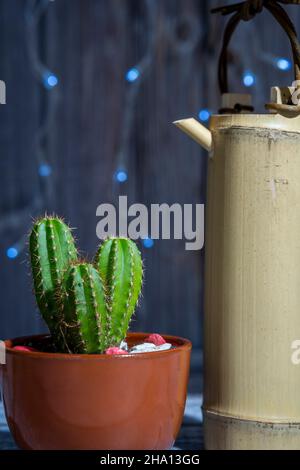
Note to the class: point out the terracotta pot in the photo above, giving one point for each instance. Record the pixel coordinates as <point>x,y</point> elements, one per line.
<point>61,401</point>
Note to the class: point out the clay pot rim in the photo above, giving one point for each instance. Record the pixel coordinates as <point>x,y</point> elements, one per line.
<point>181,344</point>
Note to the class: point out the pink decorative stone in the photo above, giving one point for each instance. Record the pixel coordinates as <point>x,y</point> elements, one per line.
<point>155,339</point>
<point>115,350</point>
<point>24,348</point>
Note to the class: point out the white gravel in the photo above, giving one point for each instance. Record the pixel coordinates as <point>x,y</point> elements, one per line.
<point>124,345</point>
<point>149,347</point>
<point>144,347</point>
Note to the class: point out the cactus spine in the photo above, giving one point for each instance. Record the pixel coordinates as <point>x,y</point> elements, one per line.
<point>84,310</point>
<point>52,248</point>
<point>120,266</point>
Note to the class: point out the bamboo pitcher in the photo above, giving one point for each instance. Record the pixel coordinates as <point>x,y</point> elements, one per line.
<point>252,269</point>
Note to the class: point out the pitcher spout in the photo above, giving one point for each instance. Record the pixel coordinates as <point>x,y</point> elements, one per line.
<point>196,131</point>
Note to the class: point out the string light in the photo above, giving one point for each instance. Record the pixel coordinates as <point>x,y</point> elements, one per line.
<point>12,252</point>
<point>248,79</point>
<point>283,64</point>
<point>148,242</point>
<point>45,170</point>
<point>50,80</point>
<point>132,74</point>
<point>121,176</point>
<point>204,115</point>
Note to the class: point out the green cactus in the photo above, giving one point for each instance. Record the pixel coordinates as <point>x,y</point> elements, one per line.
<point>86,307</point>
<point>85,315</point>
<point>120,266</point>
<point>52,248</point>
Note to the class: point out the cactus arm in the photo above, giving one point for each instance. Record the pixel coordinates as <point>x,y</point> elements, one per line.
<point>51,249</point>
<point>119,263</point>
<point>125,286</point>
<point>84,310</point>
<point>41,268</point>
<point>103,259</point>
<point>136,267</point>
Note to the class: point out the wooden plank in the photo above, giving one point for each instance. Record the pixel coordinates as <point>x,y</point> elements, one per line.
<point>18,169</point>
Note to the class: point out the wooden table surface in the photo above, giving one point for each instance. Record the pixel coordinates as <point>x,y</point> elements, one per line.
<point>190,437</point>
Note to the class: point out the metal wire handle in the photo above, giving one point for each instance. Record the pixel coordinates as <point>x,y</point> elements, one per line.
<point>245,11</point>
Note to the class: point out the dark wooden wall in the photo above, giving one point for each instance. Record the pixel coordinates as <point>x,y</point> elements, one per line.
<point>78,127</point>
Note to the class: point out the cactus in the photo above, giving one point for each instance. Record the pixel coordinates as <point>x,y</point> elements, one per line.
<point>86,307</point>
<point>52,248</point>
<point>85,315</point>
<point>120,266</point>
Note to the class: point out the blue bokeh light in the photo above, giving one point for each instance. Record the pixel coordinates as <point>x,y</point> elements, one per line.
<point>12,252</point>
<point>132,75</point>
<point>50,80</point>
<point>248,79</point>
<point>204,115</point>
<point>148,242</point>
<point>121,176</point>
<point>45,170</point>
<point>283,64</point>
